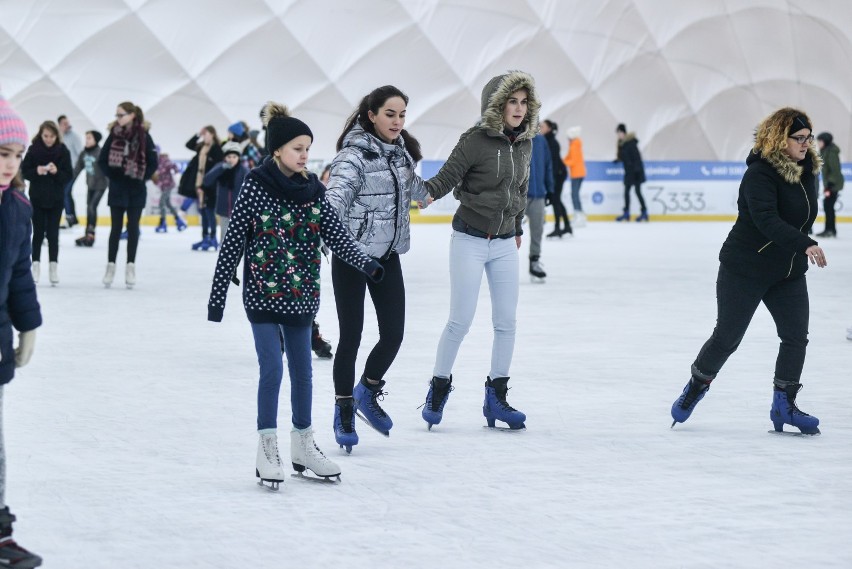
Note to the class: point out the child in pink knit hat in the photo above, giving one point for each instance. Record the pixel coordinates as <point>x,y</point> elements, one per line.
<point>18,302</point>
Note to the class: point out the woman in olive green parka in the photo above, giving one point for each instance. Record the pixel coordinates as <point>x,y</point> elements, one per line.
<point>488,172</point>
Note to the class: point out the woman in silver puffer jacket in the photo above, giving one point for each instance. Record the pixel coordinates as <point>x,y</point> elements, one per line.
<point>372,184</point>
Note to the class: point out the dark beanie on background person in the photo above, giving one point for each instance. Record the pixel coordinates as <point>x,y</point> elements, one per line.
<point>98,136</point>
<point>800,122</point>
<point>281,128</point>
<point>621,128</point>
<point>826,138</point>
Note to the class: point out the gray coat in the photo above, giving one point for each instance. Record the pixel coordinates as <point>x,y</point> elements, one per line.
<point>371,187</point>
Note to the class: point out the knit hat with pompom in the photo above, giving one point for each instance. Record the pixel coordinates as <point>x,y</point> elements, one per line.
<point>281,128</point>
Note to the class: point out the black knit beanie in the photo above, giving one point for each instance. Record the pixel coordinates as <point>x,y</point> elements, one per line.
<point>621,128</point>
<point>800,122</point>
<point>281,130</point>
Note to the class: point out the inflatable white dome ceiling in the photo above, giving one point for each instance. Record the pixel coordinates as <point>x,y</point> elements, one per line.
<point>690,77</point>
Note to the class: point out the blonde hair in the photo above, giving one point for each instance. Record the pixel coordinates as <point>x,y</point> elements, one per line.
<point>773,131</point>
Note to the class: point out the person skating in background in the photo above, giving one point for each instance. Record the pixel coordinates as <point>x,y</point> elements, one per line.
<point>577,171</point>
<point>252,154</point>
<point>278,221</point>
<point>549,130</point>
<point>164,178</point>
<point>226,178</point>
<point>129,159</point>
<point>540,188</point>
<point>19,307</point>
<point>72,142</point>
<point>488,172</point>
<point>208,153</point>
<point>371,185</point>
<point>832,180</point>
<point>48,168</point>
<point>634,171</point>
<point>96,184</point>
<point>764,259</point>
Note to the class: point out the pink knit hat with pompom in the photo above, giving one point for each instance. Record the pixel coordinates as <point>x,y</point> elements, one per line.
<point>12,127</point>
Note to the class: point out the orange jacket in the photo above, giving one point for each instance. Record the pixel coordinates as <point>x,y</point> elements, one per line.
<point>574,159</point>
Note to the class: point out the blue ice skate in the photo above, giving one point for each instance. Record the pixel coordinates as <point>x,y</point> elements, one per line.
<point>162,228</point>
<point>344,424</point>
<point>204,244</point>
<point>693,392</point>
<point>785,412</point>
<point>181,224</point>
<point>496,408</point>
<point>367,399</point>
<point>436,398</point>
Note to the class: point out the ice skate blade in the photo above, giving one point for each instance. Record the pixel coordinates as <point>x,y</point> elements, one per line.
<point>330,480</point>
<point>347,448</point>
<point>537,280</point>
<point>269,485</point>
<point>363,418</point>
<point>794,433</point>
<point>506,429</point>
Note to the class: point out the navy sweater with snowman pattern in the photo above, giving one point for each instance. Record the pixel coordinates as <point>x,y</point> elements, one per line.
<point>277,225</point>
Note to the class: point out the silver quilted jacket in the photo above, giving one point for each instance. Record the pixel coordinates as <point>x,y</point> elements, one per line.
<point>371,186</point>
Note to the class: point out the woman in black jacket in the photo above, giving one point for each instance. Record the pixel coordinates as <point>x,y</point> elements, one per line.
<point>128,159</point>
<point>549,129</point>
<point>764,259</point>
<point>208,153</point>
<point>634,171</point>
<point>47,166</point>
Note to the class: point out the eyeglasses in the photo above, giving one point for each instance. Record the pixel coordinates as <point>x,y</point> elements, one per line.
<point>803,139</point>
<point>122,115</point>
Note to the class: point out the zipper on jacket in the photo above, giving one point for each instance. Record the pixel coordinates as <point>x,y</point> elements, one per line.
<point>793,258</point>
<point>498,164</point>
<point>397,191</point>
<point>764,247</point>
<point>511,181</point>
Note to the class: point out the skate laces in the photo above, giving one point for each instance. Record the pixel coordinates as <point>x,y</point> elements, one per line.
<point>440,394</point>
<point>375,397</point>
<point>696,388</point>
<point>501,399</point>
<point>347,416</point>
<point>270,449</point>
<point>791,401</point>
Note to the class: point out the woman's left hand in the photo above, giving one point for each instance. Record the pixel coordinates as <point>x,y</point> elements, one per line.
<point>816,255</point>
<point>518,241</point>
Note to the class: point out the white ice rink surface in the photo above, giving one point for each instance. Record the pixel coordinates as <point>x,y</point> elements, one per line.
<point>131,435</point>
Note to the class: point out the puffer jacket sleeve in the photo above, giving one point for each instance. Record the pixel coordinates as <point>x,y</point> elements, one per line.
<point>229,255</point>
<point>346,177</point>
<point>519,219</point>
<point>453,170</point>
<point>23,306</point>
<point>761,193</point>
<point>417,187</point>
<point>343,245</point>
<point>64,168</point>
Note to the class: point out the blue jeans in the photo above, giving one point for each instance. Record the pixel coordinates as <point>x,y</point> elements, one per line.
<point>469,257</point>
<point>296,341</point>
<point>575,194</point>
<point>70,210</point>
<point>208,222</point>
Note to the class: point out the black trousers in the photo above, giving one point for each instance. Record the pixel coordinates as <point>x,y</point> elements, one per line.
<point>559,212</point>
<point>350,286</point>
<point>46,220</point>
<point>638,195</point>
<point>738,298</point>
<point>93,198</point>
<point>117,218</point>
<point>828,205</point>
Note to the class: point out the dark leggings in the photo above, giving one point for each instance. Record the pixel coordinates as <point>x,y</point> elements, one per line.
<point>638,195</point>
<point>559,212</point>
<point>133,215</point>
<point>389,301</point>
<point>93,198</point>
<point>46,220</point>
<point>738,298</point>
<point>828,205</point>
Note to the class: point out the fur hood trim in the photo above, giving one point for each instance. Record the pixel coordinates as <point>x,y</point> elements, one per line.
<point>789,170</point>
<point>495,94</point>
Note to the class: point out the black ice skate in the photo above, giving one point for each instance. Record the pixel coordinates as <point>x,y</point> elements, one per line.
<point>320,347</point>
<point>12,554</point>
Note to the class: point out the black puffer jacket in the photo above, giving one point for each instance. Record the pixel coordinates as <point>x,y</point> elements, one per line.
<point>777,206</point>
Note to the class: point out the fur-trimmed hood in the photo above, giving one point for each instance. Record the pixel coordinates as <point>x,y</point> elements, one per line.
<point>786,168</point>
<point>495,94</point>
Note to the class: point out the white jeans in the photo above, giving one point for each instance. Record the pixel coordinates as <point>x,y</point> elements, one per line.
<point>469,256</point>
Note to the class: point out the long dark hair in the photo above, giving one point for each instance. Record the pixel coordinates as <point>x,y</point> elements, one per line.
<point>373,102</point>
